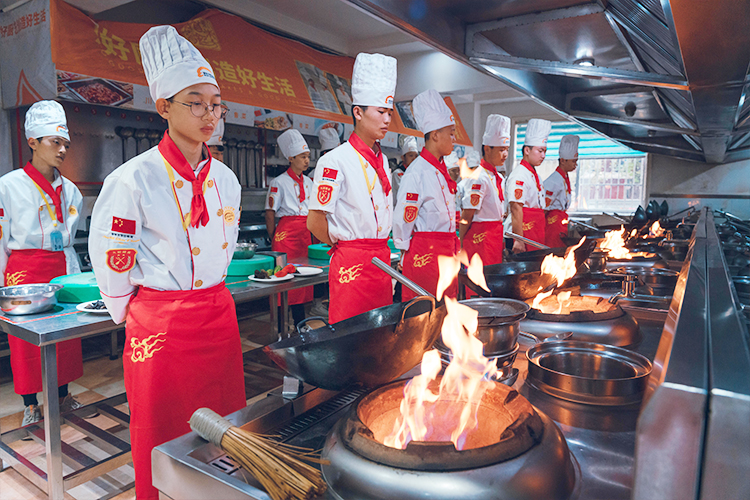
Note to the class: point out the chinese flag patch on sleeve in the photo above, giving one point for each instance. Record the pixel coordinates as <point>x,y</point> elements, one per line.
<point>2,212</point>
<point>412,196</point>
<point>123,226</point>
<point>476,187</point>
<point>329,173</point>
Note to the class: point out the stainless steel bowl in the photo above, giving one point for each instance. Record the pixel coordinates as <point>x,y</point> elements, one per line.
<point>498,322</point>
<point>245,250</point>
<point>597,261</point>
<point>28,299</point>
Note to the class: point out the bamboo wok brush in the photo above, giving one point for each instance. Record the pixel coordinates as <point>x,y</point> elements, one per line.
<point>279,467</point>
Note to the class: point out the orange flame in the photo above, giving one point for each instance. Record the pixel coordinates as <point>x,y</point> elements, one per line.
<point>561,268</point>
<point>466,172</point>
<point>615,243</point>
<point>451,413</point>
<point>655,230</point>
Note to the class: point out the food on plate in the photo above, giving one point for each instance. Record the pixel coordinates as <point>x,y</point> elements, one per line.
<point>289,268</point>
<point>97,305</point>
<point>99,93</point>
<point>262,274</point>
<point>281,273</point>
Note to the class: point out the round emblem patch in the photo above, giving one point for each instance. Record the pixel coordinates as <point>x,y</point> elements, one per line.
<point>474,200</point>
<point>229,217</point>
<point>410,213</point>
<point>121,260</point>
<point>519,194</point>
<point>325,192</point>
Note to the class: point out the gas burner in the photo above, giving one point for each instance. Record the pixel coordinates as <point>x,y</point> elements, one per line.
<point>515,453</point>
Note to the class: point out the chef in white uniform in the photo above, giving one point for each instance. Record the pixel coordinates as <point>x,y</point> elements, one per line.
<point>409,153</point>
<point>163,232</point>
<point>425,224</point>
<point>39,214</point>
<point>352,204</point>
<point>558,192</point>
<point>525,190</point>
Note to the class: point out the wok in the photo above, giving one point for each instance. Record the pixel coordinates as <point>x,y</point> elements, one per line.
<point>372,348</point>
<point>582,253</point>
<point>511,280</point>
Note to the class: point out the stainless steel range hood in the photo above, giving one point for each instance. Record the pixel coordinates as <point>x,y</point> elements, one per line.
<point>658,76</point>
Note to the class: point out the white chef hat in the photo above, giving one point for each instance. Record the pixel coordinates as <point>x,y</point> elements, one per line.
<point>172,63</point>
<point>329,138</point>
<point>569,147</point>
<point>45,118</point>
<point>496,131</point>
<point>410,144</point>
<point>215,139</point>
<point>451,160</point>
<point>292,143</point>
<point>537,132</point>
<point>431,112</point>
<point>473,159</point>
<point>374,80</point>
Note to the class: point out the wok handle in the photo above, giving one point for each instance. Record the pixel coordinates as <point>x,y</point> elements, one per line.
<point>616,217</point>
<point>401,278</point>
<point>304,322</point>
<point>583,224</point>
<point>414,301</point>
<point>509,234</point>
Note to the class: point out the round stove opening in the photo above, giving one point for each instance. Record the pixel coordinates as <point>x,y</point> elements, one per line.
<point>588,365</point>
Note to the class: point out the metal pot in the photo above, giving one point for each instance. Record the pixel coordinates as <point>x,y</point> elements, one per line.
<point>245,250</point>
<point>28,299</point>
<point>597,261</point>
<point>498,322</point>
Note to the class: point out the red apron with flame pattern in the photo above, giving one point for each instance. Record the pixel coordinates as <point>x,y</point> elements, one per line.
<point>421,261</point>
<point>293,238</point>
<point>534,225</point>
<point>487,239</point>
<point>355,284</point>
<point>182,352</point>
<point>39,266</point>
<point>557,222</point>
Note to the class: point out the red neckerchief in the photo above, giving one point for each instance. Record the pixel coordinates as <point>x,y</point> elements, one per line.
<point>43,183</point>
<point>493,172</point>
<point>175,158</point>
<point>564,176</point>
<point>299,180</point>
<point>374,158</point>
<point>533,171</point>
<point>440,165</point>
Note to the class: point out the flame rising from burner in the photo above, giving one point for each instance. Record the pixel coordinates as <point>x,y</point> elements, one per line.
<point>655,230</point>
<point>615,243</point>
<point>560,269</point>
<point>451,413</point>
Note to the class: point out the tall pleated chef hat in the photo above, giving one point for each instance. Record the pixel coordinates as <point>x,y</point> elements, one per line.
<point>374,80</point>
<point>569,147</point>
<point>172,63</point>
<point>537,132</point>
<point>431,112</point>
<point>329,138</point>
<point>473,159</point>
<point>451,160</point>
<point>410,145</point>
<point>496,131</point>
<point>292,143</point>
<point>215,139</point>
<point>45,118</point>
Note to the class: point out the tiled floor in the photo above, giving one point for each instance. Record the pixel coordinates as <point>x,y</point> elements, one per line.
<point>103,378</point>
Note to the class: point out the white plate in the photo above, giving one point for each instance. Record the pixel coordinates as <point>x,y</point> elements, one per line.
<point>308,271</point>
<point>272,279</point>
<point>82,307</point>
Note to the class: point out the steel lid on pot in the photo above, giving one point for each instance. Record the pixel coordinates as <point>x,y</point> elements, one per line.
<point>495,311</point>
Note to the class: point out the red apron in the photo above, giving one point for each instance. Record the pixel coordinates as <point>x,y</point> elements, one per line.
<point>557,222</point>
<point>534,225</point>
<point>421,262</point>
<point>355,284</point>
<point>487,239</point>
<point>182,352</point>
<point>293,238</point>
<point>39,266</point>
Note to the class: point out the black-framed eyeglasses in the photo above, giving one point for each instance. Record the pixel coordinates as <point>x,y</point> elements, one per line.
<point>199,109</point>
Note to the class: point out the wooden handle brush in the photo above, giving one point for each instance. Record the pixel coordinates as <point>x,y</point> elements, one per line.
<point>279,467</point>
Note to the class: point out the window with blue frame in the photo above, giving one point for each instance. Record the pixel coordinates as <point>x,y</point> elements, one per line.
<point>609,178</point>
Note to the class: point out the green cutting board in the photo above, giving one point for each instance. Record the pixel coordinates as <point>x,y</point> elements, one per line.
<point>77,288</point>
<point>246,267</point>
<point>319,251</point>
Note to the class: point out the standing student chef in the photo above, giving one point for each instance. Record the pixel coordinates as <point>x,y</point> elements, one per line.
<point>425,223</point>
<point>558,192</point>
<point>352,207</point>
<point>409,153</point>
<point>483,207</point>
<point>524,189</point>
<point>39,210</point>
<point>289,198</point>
<point>163,232</point>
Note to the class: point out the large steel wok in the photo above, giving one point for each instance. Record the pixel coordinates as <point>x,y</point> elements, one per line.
<point>510,280</point>
<point>372,348</point>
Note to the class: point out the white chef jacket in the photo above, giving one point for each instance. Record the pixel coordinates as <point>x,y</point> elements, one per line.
<point>26,224</point>
<point>140,192</point>
<point>353,213</point>
<point>486,198</point>
<point>521,182</point>
<point>396,177</point>
<point>283,195</point>
<point>556,192</point>
<point>424,187</point>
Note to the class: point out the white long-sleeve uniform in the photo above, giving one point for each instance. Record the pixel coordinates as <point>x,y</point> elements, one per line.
<point>556,192</point>
<point>25,221</point>
<point>283,195</point>
<point>140,196</point>
<point>340,190</point>
<point>424,189</point>
<point>481,194</point>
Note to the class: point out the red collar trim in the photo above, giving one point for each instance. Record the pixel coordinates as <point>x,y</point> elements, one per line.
<point>441,167</point>
<point>564,176</point>
<point>533,171</point>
